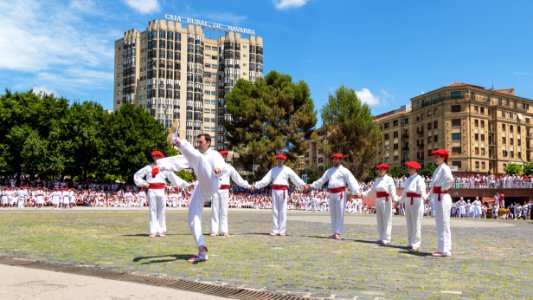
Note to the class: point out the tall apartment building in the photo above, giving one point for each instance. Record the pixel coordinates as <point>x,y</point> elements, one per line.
<point>483,129</point>
<point>176,72</point>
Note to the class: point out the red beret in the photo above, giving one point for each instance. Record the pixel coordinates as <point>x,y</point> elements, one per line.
<point>223,152</point>
<point>382,166</point>
<point>157,153</point>
<point>336,155</point>
<point>280,156</point>
<point>441,152</point>
<point>413,164</point>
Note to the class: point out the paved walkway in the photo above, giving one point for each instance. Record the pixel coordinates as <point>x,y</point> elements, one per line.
<point>26,283</point>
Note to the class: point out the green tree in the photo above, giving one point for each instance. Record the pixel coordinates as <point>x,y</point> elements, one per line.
<point>130,136</point>
<point>271,115</point>
<point>396,171</point>
<point>427,170</point>
<point>528,168</point>
<point>349,128</point>
<point>513,169</point>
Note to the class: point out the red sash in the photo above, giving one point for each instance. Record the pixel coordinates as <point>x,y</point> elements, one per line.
<point>280,187</point>
<point>224,187</point>
<point>412,196</point>
<point>438,190</point>
<point>156,186</point>
<point>383,195</point>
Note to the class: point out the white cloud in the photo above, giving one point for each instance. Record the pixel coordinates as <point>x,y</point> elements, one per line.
<point>366,96</point>
<point>288,4</point>
<point>143,6</point>
<point>44,90</point>
<point>518,73</point>
<point>50,47</point>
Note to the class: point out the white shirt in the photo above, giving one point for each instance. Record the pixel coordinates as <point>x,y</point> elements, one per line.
<point>230,172</point>
<point>160,177</point>
<point>414,184</point>
<point>337,177</point>
<point>442,177</point>
<point>383,184</point>
<point>280,176</point>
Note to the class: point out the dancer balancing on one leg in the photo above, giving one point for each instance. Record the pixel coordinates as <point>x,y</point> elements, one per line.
<point>208,165</point>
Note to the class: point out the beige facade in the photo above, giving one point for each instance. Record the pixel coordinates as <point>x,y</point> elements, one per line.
<point>483,129</point>
<point>176,72</point>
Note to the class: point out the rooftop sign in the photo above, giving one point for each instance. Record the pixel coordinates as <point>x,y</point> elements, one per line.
<point>210,25</point>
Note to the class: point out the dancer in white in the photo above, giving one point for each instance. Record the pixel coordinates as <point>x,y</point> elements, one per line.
<point>208,166</point>
<point>338,178</point>
<point>385,191</point>
<point>279,177</point>
<point>219,201</point>
<point>155,183</point>
<point>413,195</point>
<point>441,181</point>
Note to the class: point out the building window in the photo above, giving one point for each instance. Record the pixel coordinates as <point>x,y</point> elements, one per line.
<point>435,124</point>
<point>456,108</point>
<point>406,121</point>
<point>476,151</point>
<point>483,151</point>
<point>435,139</point>
<point>395,123</point>
<point>455,94</point>
<point>395,134</point>
<point>395,158</point>
<point>456,164</point>
<point>476,136</point>
<point>429,126</point>
<point>386,125</point>
<point>476,123</point>
<point>456,136</point>
<point>483,165</point>
<point>477,164</point>
<point>456,150</point>
<point>504,153</point>
<point>429,139</point>
<point>504,140</point>
<point>482,110</point>
<point>476,109</point>
<point>482,137</point>
<point>386,136</point>
<point>456,122</point>
<point>503,127</point>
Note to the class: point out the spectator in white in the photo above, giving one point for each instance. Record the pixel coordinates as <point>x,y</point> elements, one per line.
<point>477,208</point>
<point>385,191</point>
<point>22,195</point>
<point>338,179</point>
<point>219,201</point>
<point>141,197</point>
<point>440,184</point>
<point>128,196</point>
<point>155,183</point>
<point>279,177</point>
<point>208,166</point>
<point>413,195</point>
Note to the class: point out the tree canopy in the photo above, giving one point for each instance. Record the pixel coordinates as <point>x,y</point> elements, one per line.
<point>269,116</point>
<point>42,135</point>
<point>349,128</point>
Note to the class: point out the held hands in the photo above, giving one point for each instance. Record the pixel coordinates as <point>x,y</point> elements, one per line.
<point>252,188</point>
<point>216,170</point>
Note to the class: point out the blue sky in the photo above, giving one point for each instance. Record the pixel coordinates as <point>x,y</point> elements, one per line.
<point>388,51</point>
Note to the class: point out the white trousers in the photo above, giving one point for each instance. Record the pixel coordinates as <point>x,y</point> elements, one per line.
<point>208,183</point>
<point>337,205</point>
<point>413,217</point>
<point>279,211</point>
<point>156,201</point>
<point>384,218</point>
<point>442,221</point>
<point>20,203</point>
<point>219,211</point>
